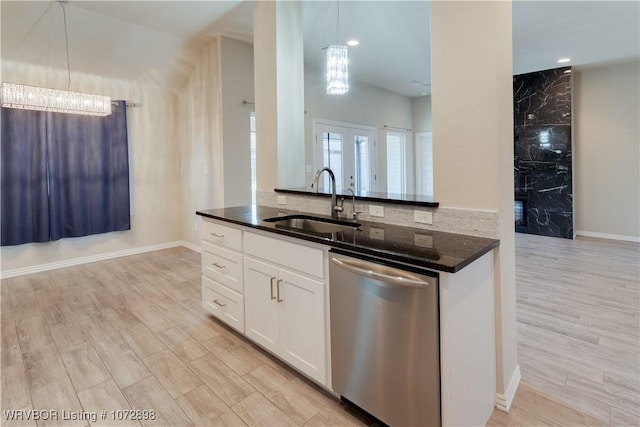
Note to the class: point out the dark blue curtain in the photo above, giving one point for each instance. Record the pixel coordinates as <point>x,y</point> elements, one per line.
<point>23,178</point>
<point>88,174</point>
<point>86,169</point>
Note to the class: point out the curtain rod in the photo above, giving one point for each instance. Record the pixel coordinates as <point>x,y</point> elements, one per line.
<point>127,103</point>
<point>396,128</point>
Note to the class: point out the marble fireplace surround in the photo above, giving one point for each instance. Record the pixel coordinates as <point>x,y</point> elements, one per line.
<point>543,160</point>
<point>472,222</point>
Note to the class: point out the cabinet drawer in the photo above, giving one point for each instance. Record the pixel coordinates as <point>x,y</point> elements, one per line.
<point>222,265</point>
<point>298,257</point>
<point>221,235</point>
<point>223,303</point>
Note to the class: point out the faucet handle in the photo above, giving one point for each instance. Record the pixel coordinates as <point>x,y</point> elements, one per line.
<point>339,207</point>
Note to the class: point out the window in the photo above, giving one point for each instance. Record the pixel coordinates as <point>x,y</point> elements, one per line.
<point>424,163</point>
<point>332,156</point>
<point>349,151</point>
<point>396,163</point>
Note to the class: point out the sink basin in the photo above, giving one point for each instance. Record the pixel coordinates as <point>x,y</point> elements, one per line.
<point>313,224</point>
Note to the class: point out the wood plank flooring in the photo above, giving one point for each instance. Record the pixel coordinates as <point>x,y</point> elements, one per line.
<point>578,309</point>
<point>130,333</point>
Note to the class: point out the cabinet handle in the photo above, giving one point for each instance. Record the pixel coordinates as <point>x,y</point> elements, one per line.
<point>217,235</point>
<point>278,291</point>
<point>272,279</point>
<point>219,303</point>
<point>218,265</point>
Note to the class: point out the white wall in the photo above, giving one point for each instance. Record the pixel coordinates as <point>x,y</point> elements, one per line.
<point>200,141</point>
<point>154,169</point>
<point>607,150</point>
<point>364,105</point>
<point>421,107</point>
<point>473,147</point>
<point>237,85</point>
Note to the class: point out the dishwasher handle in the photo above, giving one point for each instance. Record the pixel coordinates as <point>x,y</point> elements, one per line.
<point>381,273</point>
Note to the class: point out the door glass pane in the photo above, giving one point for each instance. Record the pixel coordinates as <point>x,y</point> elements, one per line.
<point>362,146</point>
<point>395,163</point>
<point>332,158</point>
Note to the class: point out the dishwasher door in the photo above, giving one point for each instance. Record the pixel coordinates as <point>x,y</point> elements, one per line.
<point>385,352</point>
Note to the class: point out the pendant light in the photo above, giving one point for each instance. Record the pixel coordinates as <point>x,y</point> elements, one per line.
<point>337,64</point>
<point>59,101</point>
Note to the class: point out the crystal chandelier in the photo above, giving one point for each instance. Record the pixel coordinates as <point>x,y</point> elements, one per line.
<point>59,101</point>
<point>337,64</point>
<point>337,70</point>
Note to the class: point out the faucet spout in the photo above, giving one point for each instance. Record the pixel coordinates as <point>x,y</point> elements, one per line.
<point>334,200</point>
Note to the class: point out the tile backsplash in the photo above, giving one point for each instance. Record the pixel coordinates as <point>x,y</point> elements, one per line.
<point>480,223</point>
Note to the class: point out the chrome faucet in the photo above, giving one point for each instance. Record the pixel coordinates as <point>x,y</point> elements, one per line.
<point>354,213</point>
<point>335,208</point>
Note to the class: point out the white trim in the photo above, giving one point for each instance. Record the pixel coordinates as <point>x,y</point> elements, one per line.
<point>191,246</point>
<point>608,236</point>
<point>92,258</point>
<point>504,401</point>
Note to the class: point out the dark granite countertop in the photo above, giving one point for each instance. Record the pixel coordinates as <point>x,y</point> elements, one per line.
<point>422,248</point>
<point>370,196</point>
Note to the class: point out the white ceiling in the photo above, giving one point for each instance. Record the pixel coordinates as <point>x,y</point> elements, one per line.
<point>159,40</point>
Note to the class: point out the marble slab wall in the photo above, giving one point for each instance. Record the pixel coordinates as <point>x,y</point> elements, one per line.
<point>543,152</point>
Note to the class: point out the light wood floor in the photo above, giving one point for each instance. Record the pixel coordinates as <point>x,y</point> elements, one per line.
<point>130,333</point>
<point>578,309</point>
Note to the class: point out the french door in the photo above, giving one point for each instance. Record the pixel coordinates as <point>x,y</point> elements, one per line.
<point>349,150</point>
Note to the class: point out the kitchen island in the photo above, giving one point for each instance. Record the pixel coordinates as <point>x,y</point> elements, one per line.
<point>250,263</point>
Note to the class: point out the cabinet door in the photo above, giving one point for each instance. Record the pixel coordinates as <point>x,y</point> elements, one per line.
<point>261,304</point>
<point>302,324</point>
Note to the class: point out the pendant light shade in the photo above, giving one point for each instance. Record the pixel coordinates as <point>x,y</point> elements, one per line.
<point>59,101</point>
<point>337,70</point>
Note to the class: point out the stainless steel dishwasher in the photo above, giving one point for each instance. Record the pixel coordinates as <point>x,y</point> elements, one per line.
<point>385,352</point>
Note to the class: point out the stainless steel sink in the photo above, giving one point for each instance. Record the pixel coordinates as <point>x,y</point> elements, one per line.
<point>313,224</point>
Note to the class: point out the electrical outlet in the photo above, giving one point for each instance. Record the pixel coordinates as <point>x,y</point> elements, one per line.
<point>376,233</point>
<point>376,211</point>
<point>282,200</point>
<point>423,217</point>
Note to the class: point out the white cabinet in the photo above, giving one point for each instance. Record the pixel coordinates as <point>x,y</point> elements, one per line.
<point>222,283</point>
<point>273,290</point>
<point>285,310</point>
<point>261,306</point>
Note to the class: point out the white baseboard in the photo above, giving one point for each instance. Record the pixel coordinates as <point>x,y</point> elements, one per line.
<point>191,246</point>
<point>99,257</point>
<point>608,236</point>
<point>504,401</point>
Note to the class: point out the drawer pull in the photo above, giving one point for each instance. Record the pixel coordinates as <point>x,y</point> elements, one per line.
<point>218,265</point>
<point>219,303</point>
<point>278,290</point>
<point>217,235</point>
<point>272,280</point>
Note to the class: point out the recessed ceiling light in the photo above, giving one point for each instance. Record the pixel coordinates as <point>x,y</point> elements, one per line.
<point>563,60</point>
<point>353,42</point>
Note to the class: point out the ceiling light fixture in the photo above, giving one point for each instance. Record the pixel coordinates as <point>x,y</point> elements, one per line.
<point>58,101</point>
<point>337,64</point>
<point>563,60</point>
<point>353,42</point>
